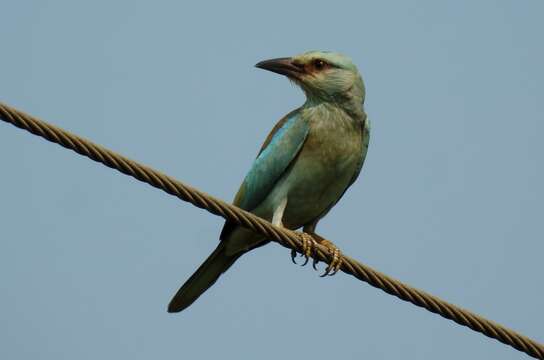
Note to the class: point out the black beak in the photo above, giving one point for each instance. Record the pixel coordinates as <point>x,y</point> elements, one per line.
<point>282,66</point>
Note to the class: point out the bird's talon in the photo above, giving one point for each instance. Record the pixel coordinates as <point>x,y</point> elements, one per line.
<point>336,261</point>
<point>314,263</point>
<point>327,270</point>
<point>308,244</point>
<point>293,256</point>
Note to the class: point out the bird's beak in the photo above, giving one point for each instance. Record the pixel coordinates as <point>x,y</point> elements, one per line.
<point>284,66</point>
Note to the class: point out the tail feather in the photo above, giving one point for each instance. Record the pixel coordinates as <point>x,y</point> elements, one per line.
<point>204,277</point>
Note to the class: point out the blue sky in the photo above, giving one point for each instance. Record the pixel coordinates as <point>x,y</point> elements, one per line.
<point>450,199</point>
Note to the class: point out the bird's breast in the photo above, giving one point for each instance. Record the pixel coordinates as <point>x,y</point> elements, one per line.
<point>323,169</point>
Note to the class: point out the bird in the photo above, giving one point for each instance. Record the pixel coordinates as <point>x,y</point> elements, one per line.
<point>305,165</point>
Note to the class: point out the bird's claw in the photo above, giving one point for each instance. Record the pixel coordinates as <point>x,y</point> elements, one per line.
<point>308,246</point>
<point>315,262</point>
<point>308,250</point>
<point>336,262</point>
<point>293,256</point>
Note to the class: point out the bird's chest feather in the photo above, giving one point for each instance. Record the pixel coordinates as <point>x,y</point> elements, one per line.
<point>333,145</point>
<point>324,167</point>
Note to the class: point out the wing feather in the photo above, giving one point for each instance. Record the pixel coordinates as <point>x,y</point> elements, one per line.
<point>278,151</point>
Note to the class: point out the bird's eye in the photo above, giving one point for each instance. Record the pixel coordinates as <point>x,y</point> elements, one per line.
<point>319,64</point>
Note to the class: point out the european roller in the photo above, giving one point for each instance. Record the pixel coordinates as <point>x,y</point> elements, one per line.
<point>306,164</point>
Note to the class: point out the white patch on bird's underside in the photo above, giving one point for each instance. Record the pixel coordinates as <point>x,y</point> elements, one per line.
<point>278,213</point>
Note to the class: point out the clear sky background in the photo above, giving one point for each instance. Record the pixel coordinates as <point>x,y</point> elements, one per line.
<point>450,199</point>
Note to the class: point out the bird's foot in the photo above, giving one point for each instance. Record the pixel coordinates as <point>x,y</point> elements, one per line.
<point>309,241</point>
<point>336,262</point>
<point>308,247</point>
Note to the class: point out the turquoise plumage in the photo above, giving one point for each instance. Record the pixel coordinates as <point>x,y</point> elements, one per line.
<point>272,161</point>
<point>306,164</point>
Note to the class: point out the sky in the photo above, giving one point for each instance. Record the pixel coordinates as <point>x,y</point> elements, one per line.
<point>450,199</point>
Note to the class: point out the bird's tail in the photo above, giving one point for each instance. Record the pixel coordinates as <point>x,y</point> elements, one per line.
<point>204,277</point>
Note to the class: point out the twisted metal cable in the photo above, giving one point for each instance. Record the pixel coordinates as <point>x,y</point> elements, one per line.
<point>286,238</point>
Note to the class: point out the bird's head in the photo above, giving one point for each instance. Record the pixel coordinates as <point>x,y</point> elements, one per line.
<point>323,75</point>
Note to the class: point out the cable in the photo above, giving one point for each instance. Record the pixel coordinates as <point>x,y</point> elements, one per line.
<point>284,237</point>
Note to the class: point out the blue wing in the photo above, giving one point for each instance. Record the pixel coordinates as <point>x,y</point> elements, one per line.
<point>278,151</point>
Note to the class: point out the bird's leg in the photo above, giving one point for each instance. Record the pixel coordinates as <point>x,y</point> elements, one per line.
<point>336,261</point>
<point>277,217</point>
